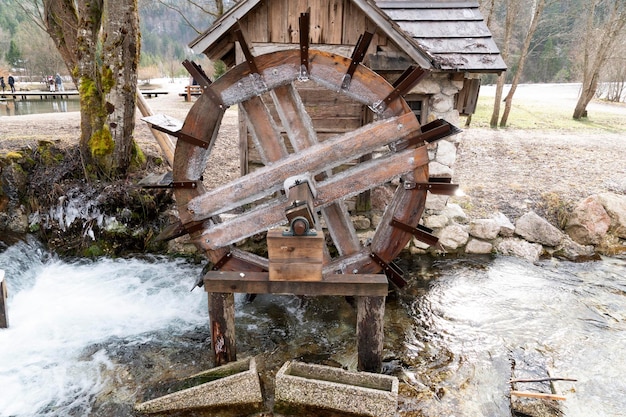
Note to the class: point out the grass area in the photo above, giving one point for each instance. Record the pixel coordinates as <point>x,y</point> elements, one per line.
<point>549,115</point>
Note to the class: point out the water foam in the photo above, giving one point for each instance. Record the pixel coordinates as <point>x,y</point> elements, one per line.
<point>56,309</point>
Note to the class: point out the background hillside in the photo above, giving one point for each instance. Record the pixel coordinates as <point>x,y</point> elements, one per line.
<point>165,34</point>
<point>167,27</point>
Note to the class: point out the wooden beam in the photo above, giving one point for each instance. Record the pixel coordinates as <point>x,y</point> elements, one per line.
<point>351,182</point>
<point>341,228</point>
<point>331,284</point>
<point>294,117</point>
<point>314,160</point>
<point>222,317</point>
<point>265,133</point>
<point>4,317</point>
<point>370,333</point>
<point>537,395</point>
<point>164,141</point>
<point>299,128</point>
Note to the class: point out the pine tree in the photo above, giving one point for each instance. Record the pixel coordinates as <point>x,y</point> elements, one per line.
<point>14,55</point>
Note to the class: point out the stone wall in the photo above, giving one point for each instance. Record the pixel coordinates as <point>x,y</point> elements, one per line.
<point>597,225</point>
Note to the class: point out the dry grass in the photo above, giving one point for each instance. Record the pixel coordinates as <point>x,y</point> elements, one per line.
<point>540,112</point>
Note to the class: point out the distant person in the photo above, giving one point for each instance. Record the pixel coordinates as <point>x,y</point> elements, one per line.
<point>58,82</point>
<point>12,83</point>
<point>2,84</point>
<point>51,83</point>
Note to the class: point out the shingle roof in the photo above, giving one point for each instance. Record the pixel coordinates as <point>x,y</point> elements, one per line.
<point>445,34</point>
<point>453,32</point>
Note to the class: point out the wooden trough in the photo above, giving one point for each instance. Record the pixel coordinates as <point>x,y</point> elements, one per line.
<point>336,169</point>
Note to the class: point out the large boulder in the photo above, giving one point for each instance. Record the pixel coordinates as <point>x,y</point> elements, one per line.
<point>453,237</point>
<point>589,222</point>
<point>455,213</point>
<point>485,229</point>
<point>574,251</point>
<point>520,248</point>
<point>615,206</point>
<point>535,228</point>
<point>507,229</point>
<point>476,246</point>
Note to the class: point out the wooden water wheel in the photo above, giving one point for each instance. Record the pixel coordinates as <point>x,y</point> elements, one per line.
<point>258,197</point>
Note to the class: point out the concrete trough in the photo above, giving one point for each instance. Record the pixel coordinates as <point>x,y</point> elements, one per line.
<point>304,387</point>
<point>234,387</point>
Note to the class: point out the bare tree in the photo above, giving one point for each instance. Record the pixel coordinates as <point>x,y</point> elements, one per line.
<point>99,42</point>
<point>538,7</point>
<point>603,26</point>
<point>212,8</point>
<point>513,8</point>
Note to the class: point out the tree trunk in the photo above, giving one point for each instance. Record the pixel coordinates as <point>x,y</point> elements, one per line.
<point>107,82</point>
<point>511,13</point>
<point>92,115</point>
<point>60,21</point>
<point>120,61</point>
<point>508,101</point>
<point>597,49</point>
<point>495,115</point>
<point>586,95</point>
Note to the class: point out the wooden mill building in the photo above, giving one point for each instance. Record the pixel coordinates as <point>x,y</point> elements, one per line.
<point>448,38</point>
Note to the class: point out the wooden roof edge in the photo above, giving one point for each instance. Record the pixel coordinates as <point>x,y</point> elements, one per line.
<point>428,4</point>
<point>449,63</point>
<point>222,25</point>
<point>396,34</point>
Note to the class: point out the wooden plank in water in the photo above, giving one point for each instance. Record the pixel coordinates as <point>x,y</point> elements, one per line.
<point>4,318</point>
<point>370,333</point>
<point>331,284</point>
<point>538,395</point>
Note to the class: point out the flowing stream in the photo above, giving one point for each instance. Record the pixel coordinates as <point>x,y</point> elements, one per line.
<point>452,335</point>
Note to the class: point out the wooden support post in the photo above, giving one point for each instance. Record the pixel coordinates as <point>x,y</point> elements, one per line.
<point>4,318</point>
<point>164,141</point>
<point>222,318</point>
<point>369,333</point>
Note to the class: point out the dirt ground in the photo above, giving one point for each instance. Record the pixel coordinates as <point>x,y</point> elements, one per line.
<point>507,170</point>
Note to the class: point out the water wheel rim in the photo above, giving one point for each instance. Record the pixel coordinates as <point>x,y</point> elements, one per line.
<point>277,70</point>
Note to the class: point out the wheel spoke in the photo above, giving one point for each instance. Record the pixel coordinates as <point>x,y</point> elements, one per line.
<point>295,119</point>
<point>341,228</point>
<point>265,133</point>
